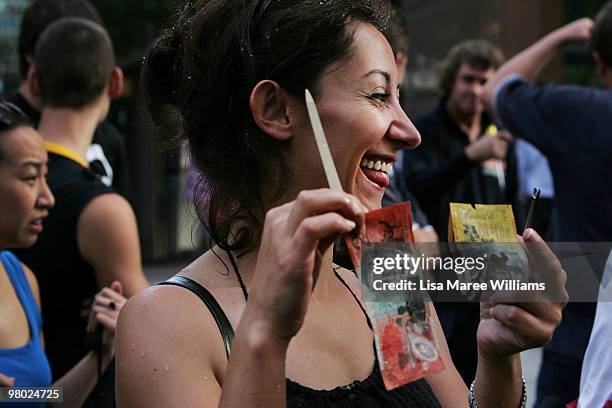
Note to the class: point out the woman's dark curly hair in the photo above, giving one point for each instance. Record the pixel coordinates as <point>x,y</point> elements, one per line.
<point>198,76</point>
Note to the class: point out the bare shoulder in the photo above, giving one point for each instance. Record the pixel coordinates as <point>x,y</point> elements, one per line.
<point>166,336</point>
<point>109,221</point>
<point>104,205</point>
<point>32,282</point>
<point>219,278</point>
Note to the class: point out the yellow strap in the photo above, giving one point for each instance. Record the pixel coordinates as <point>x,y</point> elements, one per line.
<point>60,150</point>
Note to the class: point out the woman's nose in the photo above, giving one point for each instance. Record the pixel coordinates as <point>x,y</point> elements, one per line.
<point>403,131</point>
<point>45,198</point>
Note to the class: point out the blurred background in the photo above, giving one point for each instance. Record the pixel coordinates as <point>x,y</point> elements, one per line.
<point>169,230</point>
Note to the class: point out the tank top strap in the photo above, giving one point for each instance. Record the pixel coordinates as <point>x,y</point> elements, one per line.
<point>24,293</point>
<point>223,323</point>
<point>354,297</point>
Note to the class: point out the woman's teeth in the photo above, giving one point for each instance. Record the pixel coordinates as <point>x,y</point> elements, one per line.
<point>377,165</point>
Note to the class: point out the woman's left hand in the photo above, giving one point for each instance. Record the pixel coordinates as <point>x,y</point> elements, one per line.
<point>511,326</point>
<point>105,311</point>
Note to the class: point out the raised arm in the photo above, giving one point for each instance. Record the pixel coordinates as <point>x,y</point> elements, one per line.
<point>168,356</point>
<point>108,239</point>
<point>530,62</point>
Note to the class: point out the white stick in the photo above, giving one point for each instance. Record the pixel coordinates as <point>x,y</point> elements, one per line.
<point>326,157</point>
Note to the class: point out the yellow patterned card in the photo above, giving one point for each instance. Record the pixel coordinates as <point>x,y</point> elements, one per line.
<point>481,223</point>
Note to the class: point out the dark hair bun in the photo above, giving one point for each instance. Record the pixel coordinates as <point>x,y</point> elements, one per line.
<point>161,82</point>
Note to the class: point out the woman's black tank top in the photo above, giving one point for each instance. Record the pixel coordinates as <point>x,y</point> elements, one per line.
<point>368,393</point>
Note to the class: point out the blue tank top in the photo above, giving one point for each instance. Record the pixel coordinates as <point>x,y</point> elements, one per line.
<point>28,364</point>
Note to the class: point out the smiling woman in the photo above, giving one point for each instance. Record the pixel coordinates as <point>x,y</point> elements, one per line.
<point>232,74</point>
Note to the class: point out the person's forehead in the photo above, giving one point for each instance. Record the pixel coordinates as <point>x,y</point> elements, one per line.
<point>370,51</point>
<point>468,69</point>
<point>22,144</point>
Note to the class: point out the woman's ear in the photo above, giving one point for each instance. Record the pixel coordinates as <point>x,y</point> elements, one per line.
<point>116,83</point>
<point>270,107</point>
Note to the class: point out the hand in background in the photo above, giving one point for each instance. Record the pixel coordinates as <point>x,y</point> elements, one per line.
<point>105,311</point>
<point>578,31</point>
<point>489,147</point>
<point>6,381</point>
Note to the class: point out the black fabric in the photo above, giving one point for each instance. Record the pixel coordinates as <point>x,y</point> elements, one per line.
<point>557,383</point>
<point>438,172</point>
<point>66,280</point>
<point>109,139</point>
<point>103,396</point>
<point>225,327</point>
<point>397,192</point>
<point>368,393</point>
<point>460,322</point>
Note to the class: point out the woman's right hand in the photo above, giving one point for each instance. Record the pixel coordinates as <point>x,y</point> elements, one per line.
<point>6,381</point>
<point>295,236</point>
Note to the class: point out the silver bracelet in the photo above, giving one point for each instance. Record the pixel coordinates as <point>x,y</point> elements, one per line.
<point>473,404</point>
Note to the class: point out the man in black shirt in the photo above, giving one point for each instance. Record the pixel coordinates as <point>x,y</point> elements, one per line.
<point>90,238</point>
<point>462,158</point>
<point>458,160</point>
<point>106,155</point>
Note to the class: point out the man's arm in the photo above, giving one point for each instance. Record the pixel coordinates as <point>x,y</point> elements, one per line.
<point>429,179</point>
<point>529,63</point>
<point>108,239</point>
<point>425,174</point>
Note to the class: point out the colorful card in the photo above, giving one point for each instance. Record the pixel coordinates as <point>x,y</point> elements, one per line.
<point>481,223</point>
<point>406,344</point>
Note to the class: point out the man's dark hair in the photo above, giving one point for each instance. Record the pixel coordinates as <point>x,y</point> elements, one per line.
<point>11,117</point>
<point>74,59</point>
<point>37,18</point>
<point>601,35</point>
<point>479,54</point>
<point>397,33</point>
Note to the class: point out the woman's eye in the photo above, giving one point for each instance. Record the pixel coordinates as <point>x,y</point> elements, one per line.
<point>382,97</point>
